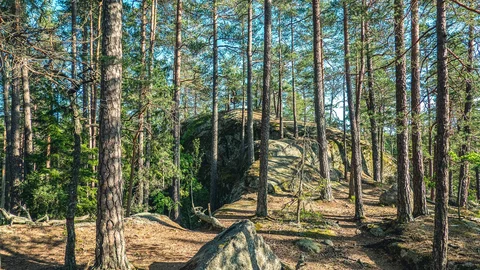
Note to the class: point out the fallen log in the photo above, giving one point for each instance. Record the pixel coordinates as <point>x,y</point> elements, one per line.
<point>13,219</point>
<point>200,213</point>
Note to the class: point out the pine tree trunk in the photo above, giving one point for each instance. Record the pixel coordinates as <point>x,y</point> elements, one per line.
<point>404,209</point>
<point>464,181</point>
<point>372,111</point>
<point>110,243</point>
<point>6,175</point>
<point>280,73</point>
<point>419,192</point>
<point>326,192</point>
<point>250,139</point>
<point>27,113</point>
<point>294,94</point>
<point>214,161</point>
<point>440,238</point>
<point>176,111</point>
<point>477,177</point>
<point>262,209</point>
<point>351,106</point>
<point>70,260</point>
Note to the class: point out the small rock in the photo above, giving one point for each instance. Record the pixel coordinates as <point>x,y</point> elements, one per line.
<point>377,231</point>
<point>328,242</point>
<point>307,245</point>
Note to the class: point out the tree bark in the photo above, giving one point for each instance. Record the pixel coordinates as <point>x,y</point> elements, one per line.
<point>280,73</point>
<point>70,260</point>
<point>419,192</point>
<point>440,238</point>
<point>372,110</point>
<point>477,177</point>
<point>326,192</point>
<point>110,244</point>
<point>294,94</point>
<point>6,175</point>
<point>262,208</point>
<point>250,147</point>
<point>27,113</point>
<point>176,111</point>
<point>351,106</point>
<point>214,160</point>
<point>464,181</point>
<point>404,209</point>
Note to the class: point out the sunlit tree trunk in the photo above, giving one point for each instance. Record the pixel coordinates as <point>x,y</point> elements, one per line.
<point>320,103</point>
<point>404,209</point>
<point>250,147</point>
<point>214,161</point>
<point>262,208</point>
<point>464,181</point>
<point>294,94</point>
<point>176,111</point>
<point>440,238</point>
<point>419,192</point>
<point>110,250</point>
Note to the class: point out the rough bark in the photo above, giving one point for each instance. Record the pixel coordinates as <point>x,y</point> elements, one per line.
<point>280,74</point>
<point>110,243</point>
<point>351,106</point>
<point>294,94</point>
<point>176,110</point>
<point>214,160</point>
<point>70,259</point>
<point>5,198</point>
<point>250,139</point>
<point>464,181</point>
<point>440,238</point>
<point>419,192</point>
<point>404,209</point>
<point>27,114</point>
<point>262,208</point>
<point>372,110</point>
<point>142,94</point>
<point>326,192</point>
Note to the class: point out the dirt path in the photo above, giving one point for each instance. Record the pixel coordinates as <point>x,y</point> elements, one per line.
<point>159,243</point>
<point>348,251</point>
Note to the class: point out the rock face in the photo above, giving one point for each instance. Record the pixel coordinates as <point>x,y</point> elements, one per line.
<point>389,197</point>
<point>238,247</point>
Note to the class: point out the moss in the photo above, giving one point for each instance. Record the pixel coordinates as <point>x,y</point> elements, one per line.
<point>320,233</point>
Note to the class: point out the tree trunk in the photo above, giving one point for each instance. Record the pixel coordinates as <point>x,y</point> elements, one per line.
<point>326,192</point>
<point>242,149</point>
<point>477,177</point>
<point>250,147</point>
<point>70,260</point>
<point>404,209</point>
<point>280,73</point>
<point>27,112</point>
<point>6,175</point>
<point>176,111</point>
<point>262,209</point>
<point>372,111</point>
<point>214,161</point>
<point>110,244</point>
<point>430,148</point>
<point>464,181</point>
<point>419,192</point>
<point>294,94</point>
<point>351,106</point>
<point>148,143</point>
<point>440,238</point>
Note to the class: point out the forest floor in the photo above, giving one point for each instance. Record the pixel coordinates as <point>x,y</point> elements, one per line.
<point>155,242</point>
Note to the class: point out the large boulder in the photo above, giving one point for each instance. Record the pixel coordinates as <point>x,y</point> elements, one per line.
<point>238,247</point>
<point>389,197</point>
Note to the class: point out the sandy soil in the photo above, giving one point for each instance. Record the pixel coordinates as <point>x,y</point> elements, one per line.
<point>161,244</point>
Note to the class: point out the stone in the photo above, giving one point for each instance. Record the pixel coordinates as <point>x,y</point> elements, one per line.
<point>238,247</point>
<point>328,242</point>
<point>307,245</point>
<point>389,197</point>
<point>377,231</point>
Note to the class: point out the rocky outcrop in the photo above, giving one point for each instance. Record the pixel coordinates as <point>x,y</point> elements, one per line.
<point>238,247</point>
